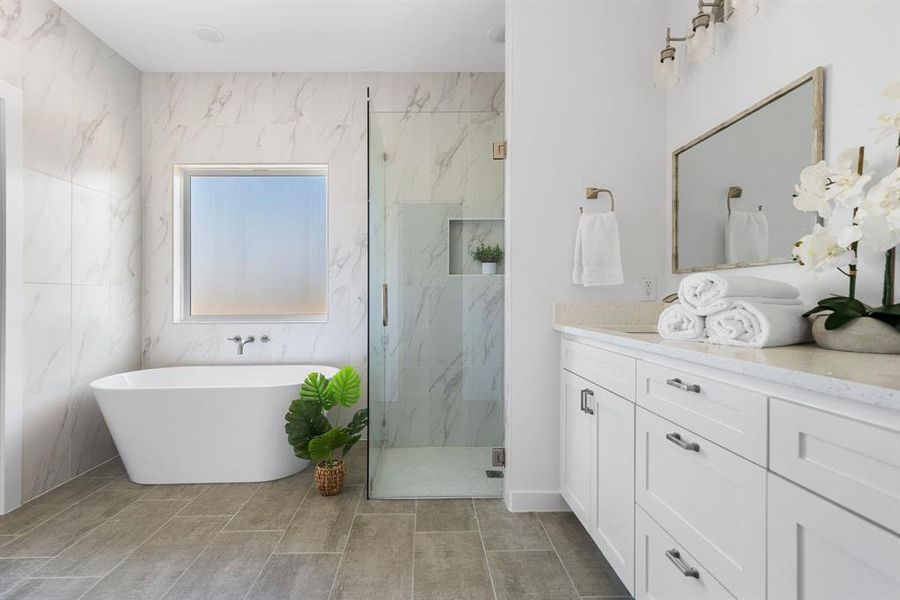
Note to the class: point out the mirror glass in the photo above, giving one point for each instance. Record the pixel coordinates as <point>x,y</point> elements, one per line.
<point>750,163</point>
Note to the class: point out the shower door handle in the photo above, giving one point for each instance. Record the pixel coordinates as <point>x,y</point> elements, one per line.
<point>384,304</point>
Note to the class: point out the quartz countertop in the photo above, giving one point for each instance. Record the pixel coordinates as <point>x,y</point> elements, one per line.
<point>870,378</point>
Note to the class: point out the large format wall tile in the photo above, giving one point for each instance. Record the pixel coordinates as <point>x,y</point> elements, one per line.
<point>82,230</point>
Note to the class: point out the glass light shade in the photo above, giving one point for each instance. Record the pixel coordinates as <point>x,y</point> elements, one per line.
<point>740,11</point>
<point>665,74</point>
<point>702,44</point>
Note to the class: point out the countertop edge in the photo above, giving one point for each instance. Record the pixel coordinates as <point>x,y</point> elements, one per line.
<point>812,382</point>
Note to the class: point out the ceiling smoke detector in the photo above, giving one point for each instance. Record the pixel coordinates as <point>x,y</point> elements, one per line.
<point>497,34</point>
<point>208,33</point>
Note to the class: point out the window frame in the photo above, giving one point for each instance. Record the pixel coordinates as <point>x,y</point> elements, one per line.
<point>181,275</point>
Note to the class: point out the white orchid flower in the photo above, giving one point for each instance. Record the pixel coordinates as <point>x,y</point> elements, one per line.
<point>878,215</point>
<point>820,251</point>
<point>890,123</point>
<point>811,194</point>
<point>849,235</point>
<point>893,91</point>
<point>848,188</point>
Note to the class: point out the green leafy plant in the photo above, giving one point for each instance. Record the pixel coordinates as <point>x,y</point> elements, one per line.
<point>844,309</point>
<point>487,254</point>
<point>310,432</point>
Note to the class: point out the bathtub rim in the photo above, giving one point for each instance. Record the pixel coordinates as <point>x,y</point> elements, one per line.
<point>106,383</point>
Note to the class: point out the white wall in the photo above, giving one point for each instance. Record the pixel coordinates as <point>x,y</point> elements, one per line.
<point>581,111</point>
<point>856,41</point>
<point>82,229</point>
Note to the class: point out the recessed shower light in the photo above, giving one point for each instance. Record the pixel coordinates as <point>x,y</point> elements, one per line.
<point>208,33</point>
<point>497,34</point>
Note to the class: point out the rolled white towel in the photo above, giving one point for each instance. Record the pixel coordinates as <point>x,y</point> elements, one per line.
<point>706,293</point>
<point>680,323</point>
<point>758,325</point>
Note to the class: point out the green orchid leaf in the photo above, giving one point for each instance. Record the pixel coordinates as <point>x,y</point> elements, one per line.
<point>838,319</point>
<point>304,421</point>
<point>345,387</point>
<point>322,447</point>
<point>815,310</point>
<point>891,319</point>
<point>848,305</point>
<point>316,388</point>
<point>890,309</point>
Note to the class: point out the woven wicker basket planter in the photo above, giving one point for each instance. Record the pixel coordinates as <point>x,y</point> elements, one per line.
<point>330,479</point>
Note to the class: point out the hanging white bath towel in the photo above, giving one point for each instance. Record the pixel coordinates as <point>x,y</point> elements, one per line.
<point>598,257</point>
<point>747,237</point>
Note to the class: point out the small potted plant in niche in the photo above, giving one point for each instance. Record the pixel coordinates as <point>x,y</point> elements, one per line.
<point>488,256</point>
<point>310,432</point>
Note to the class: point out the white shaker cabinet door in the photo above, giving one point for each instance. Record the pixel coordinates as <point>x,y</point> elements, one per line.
<point>614,493</point>
<point>819,551</point>
<point>576,427</point>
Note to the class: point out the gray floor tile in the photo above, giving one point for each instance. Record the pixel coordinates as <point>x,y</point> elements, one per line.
<point>123,483</point>
<point>504,530</point>
<point>14,570</point>
<point>154,567</point>
<point>449,566</point>
<point>378,561</point>
<point>56,534</point>
<point>228,567</point>
<point>377,507</point>
<point>5,539</point>
<point>357,465</point>
<point>530,575</point>
<point>220,499</point>
<point>588,569</point>
<point>322,523</point>
<point>273,505</point>
<point>53,502</point>
<point>51,589</point>
<point>445,515</point>
<point>296,577</point>
<point>178,491</point>
<point>97,553</point>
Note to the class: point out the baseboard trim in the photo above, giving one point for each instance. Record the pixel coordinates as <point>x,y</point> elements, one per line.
<point>536,502</point>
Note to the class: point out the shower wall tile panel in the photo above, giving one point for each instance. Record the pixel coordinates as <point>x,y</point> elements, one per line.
<point>82,232</point>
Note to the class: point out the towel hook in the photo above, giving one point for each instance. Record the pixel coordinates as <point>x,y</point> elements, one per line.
<point>733,192</point>
<point>592,193</point>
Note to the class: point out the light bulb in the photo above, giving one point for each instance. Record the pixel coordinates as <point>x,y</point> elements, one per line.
<point>665,73</point>
<point>701,44</point>
<point>740,11</point>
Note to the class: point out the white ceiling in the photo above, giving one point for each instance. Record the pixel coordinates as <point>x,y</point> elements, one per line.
<point>299,35</point>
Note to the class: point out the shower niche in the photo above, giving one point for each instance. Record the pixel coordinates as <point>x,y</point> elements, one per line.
<point>466,233</point>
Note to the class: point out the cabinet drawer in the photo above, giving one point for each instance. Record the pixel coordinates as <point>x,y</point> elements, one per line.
<point>663,567</point>
<point>709,499</point>
<point>820,551</point>
<point>727,414</point>
<point>606,369</point>
<point>854,464</point>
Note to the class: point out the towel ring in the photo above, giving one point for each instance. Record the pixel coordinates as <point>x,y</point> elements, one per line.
<point>592,193</point>
<point>733,192</point>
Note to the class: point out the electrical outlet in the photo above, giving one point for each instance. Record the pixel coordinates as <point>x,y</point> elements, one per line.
<point>648,288</point>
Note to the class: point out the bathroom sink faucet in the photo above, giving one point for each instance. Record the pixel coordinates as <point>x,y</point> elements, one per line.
<point>240,342</point>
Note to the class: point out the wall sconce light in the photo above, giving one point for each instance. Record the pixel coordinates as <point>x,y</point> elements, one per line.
<point>700,39</point>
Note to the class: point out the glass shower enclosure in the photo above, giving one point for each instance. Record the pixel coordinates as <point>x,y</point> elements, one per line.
<point>435,321</point>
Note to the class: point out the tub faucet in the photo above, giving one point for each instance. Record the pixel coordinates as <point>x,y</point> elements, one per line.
<point>240,342</point>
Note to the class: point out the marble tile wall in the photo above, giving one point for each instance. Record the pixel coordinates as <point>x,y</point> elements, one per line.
<point>443,362</point>
<point>321,118</point>
<point>82,229</point>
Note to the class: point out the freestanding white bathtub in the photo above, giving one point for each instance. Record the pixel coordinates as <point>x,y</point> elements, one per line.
<point>204,424</point>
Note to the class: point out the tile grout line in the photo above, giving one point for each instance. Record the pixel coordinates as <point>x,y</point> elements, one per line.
<point>487,565</point>
<point>341,561</point>
<point>412,592</point>
<point>283,533</point>
<point>209,543</point>
<point>558,557</point>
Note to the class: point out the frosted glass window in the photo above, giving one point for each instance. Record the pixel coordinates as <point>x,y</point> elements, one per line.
<point>256,244</point>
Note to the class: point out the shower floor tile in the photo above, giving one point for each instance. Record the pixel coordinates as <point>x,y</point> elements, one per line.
<point>435,472</point>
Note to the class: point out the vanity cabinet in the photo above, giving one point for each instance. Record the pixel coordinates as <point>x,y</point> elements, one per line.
<point>598,455</point>
<point>708,484</point>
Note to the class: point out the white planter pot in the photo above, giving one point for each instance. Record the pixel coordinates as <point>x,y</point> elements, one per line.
<point>864,334</point>
<point>488,268</point>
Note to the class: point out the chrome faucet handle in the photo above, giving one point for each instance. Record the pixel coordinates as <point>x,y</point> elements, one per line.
<point>265,339</point>
<point>236,339</point>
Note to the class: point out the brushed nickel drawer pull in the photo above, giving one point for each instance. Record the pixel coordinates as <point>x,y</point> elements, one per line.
<point>675,556</point>
<point>684,387</point>
<point>583,399</point>
<point>587,406</point>
<point>675,438</point>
